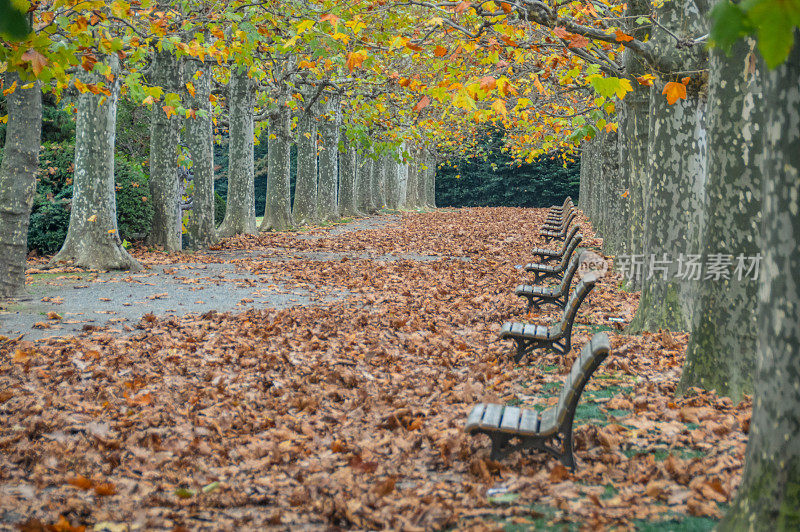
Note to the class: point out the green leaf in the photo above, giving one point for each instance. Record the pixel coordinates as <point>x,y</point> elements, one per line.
<point>774,23</point>
<point>12,21</point>
<point>211,487</point>
<point>728,24</point>
<point>184,493</point>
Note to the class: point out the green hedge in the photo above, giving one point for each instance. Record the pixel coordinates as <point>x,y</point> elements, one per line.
<point>491,181</point>
<point>50,214</point>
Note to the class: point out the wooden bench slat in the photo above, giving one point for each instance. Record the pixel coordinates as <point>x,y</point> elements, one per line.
<point>475,416</point>
<point>510,421</point>
<point>529,422</point>
<point>492,416</point>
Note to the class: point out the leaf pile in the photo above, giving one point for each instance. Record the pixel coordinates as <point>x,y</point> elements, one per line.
<point>350,414</point>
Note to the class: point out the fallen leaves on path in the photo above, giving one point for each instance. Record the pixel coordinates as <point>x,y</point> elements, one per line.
<point>350,414</point>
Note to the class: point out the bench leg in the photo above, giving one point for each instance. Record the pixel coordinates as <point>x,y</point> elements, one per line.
<point>499,441</point>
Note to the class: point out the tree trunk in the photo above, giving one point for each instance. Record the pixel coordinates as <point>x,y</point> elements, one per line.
<point>348,177</point>
<point>430,184</point>
<point>164,139</point>
<point>634,138</point>
<point>364,194</point>
<point>92,238</point>
<point>402,169</point>
<point>18,181</point>
<point>377,179</point>
<point>675,195</point>
<point>769,495</point>
<point>412,184</point>
<point>240,211</point>
<point>722,348</point>
<point>278,216</point>
<point>392,182</point>
<point>328,160</point>
<point>611,203</point>
<point>200,143</point>
<point>304,210</point>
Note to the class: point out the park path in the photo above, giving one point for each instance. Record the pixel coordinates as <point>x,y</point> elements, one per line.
<point>57,304</point>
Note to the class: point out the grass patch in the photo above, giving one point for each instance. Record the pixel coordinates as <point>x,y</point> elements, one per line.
<point>659,455</point>
<point>618,413</point>
<point>677,523</point>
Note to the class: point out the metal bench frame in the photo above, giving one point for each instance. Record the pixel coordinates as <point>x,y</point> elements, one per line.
<point>545,294</point>
<point>534,430</point>
<point>557,337</point>
<point>547,255</point>
<point>545,271</point>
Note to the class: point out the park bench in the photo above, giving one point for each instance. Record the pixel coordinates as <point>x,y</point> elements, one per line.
<point>547,255</point>
<point>561,233</point>
<point>532,429</point>
<point>556,295</point>
<point>547,271</point>
<point>557,211</point>
<point>556,225</point>
<point>557,337</point>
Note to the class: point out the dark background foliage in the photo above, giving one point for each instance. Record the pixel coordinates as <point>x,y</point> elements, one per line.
<point>487,180</point>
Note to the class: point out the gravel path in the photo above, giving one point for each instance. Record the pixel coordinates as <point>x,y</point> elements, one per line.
<point>69,303</point>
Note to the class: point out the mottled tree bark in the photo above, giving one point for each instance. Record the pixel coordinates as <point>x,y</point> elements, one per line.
<point>240,210</point>
<point>611,207</point>
<point>18,181</point>
<point>365,198</point>
<point>402,177</point>
<point>769,496</point>
<point>348,176</point>
<point>721,352</point>
<point>92,238</point>
<point>430,183</point>
<point>327,209</point>
<point>392,182</point>
<point>412,184</point>
<point>278,216</point>
<point>164,139</point>
<point>633,120</point>
<point>200,143</point>
<point>377,182</point>
<point>304,210</point>
<point>674,197</point>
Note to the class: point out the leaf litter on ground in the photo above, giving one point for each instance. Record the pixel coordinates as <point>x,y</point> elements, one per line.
<point>350,414</point>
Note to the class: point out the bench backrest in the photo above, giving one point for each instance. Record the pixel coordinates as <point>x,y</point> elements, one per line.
<point>565,258</point>
<point>569,273</point>
<point>592,355</point>
<point>567,241</point>
<point>567,222</point>
<point>582,289</point>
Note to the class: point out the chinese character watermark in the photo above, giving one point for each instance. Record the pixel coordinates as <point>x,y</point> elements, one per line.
<point>689,267</point>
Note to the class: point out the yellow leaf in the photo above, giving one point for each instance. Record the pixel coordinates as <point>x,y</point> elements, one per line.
<point>190,88</point>
<point>169,110</point>
<point>148,101</point>
<point>499,106</point>
<point>92,218</point>
<point>356,59</point>
<point>674,91</point>
<point>112,231</point>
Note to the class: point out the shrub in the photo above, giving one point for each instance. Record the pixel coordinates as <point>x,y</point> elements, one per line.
<point>50,214</point>
<point>219,209</point>
<point>134,205</point>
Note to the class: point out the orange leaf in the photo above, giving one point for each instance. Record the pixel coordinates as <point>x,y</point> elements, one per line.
<point>578,41</point>
<point>330,17</point>
<point>80,482</point>
<point>622,36</point>
<point>506,7</point>
<point>88,61</point>
<point>356,59</point>
<point>440,51</point>
<point>626,193</point>
<point>463,6</point>
<point>169,110</point>
<point>560,32</point>
<point>646,80</point>
<point>37,60</point>
<point>422,104</point>
<point>488,83</point>
<point>686,80</point>
<point>106,489</point>
<point>674,91</point>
